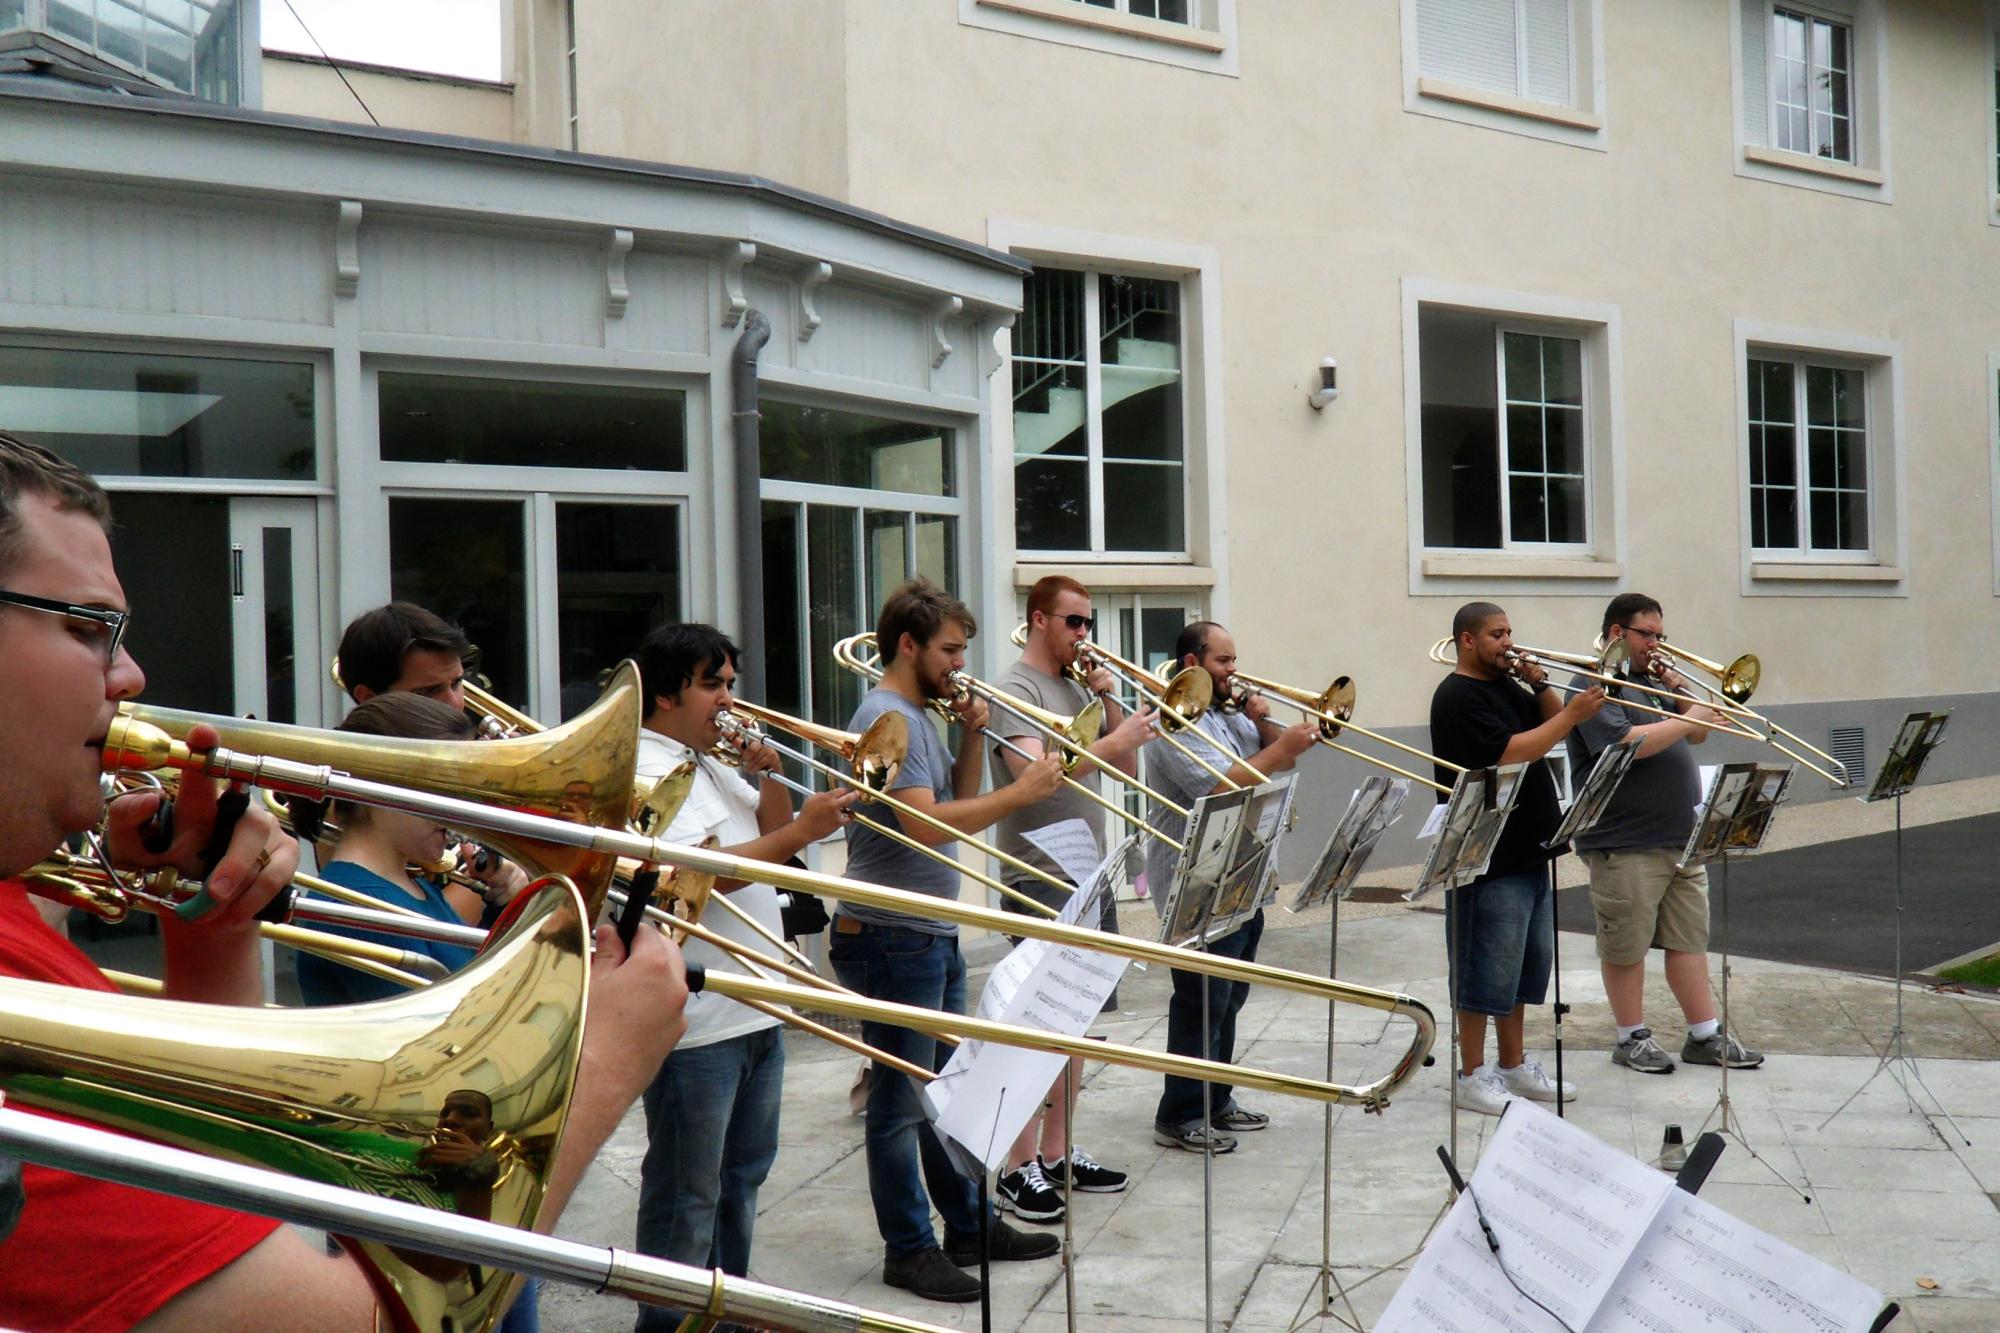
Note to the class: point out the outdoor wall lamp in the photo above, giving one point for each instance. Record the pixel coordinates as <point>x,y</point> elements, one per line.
<point>1329,388</point>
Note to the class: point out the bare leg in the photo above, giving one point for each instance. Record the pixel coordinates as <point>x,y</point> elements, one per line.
<point>1471,1041</point>
<point>1509,1031</point>
<point>1023,1150</point>
<point>1625,987</point>
<point>1056,1115</point>
<point>1687,974</point>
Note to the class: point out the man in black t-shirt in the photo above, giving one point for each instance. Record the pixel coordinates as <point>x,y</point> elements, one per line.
<point>1500,929</point>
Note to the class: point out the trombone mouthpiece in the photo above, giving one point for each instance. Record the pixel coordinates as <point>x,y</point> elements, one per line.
<point>133,745</point>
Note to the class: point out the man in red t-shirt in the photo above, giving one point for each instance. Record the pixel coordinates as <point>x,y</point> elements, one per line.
<point>91,1255</point>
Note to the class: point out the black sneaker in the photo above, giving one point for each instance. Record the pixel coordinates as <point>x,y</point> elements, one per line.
<point>931,1275</point>
<point>1091,1177</point>
<point>1003,1243</point>
<point>1025,1192</point>
<point>1718,1049</point>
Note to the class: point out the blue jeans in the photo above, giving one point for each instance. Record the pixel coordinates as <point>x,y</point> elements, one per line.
<point>1182,1103</point>
<point>712,1134</point>
<point>907,967</point>
<point>1500,936</point>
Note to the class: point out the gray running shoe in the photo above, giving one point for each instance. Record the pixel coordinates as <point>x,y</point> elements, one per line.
<point>1641,1053</point>
<point>1721,1049</point>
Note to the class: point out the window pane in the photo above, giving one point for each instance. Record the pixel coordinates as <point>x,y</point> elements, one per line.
<point>1142,414</point>
<point>1562,434</point>
<point>834,448</point>
<point>172,553</point>
<point>1854,520</point>
<point>1562,371</point>
<point>1522,354</point>
<point>1460,429</point>
<point>1851,460</point>
<point>1825,509</point>
<point>1524,439</point>
<point>1566,510</point>
<point>782,683</point>
<point>115,414</point>
<point>1051,505</point>
<point>1775,523</point>
<point>1049,410</point>
<point>888,554</point>
<point>1781,455</point>
<point>1528,513</point>
<point>1137,310</point>
<point>1758,446</point>
<point>516,423</point>
<point>280,642</point>
<point>618,574</point>
<point>833,593</point>
<point>1819,458</point>
<point>1849,399</point>
<point>937,550</point>
<point>1142,508</point>
<point>1777,377</point>
<point>1051,324</point>
<point>466,560</point>
<point>13,13</point>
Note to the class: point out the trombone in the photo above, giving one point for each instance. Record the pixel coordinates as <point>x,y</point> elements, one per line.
<point>1600,668</point>
<point>1179,699</point>
<point>1073,736</point>
<point>1333,710</point>
<point>1735,682</point>
<point>136,745</point>
<point>875,754</point>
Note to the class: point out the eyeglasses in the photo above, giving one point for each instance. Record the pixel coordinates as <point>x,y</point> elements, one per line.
<point>109,626</point>
<point>1084,623</point>
<point>1656,635</point>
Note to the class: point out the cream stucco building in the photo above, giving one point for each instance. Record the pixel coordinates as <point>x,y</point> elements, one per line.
<point>1694,298</point>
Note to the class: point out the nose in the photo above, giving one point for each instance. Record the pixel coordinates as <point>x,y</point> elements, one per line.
<point>123,679</point>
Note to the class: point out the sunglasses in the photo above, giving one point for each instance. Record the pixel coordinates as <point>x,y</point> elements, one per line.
<point>108,626</point>
<point>1084,623</point>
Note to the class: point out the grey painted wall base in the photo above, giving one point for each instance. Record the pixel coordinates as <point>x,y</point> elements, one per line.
<point>1971,749</point>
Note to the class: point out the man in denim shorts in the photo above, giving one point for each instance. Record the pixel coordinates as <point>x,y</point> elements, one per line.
<point>1642,897</point>
<point>1500,929</point>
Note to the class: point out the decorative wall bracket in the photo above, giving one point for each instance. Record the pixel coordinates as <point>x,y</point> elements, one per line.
<point>811,278</point>
<point>347,249</point>
<point>949,308</point>
<point>736,256</point>
<point>617,294</point>
<point>1001,324</point>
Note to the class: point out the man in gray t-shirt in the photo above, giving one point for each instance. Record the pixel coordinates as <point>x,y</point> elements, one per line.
<point>913,959</point>
<point>1191,1114</point>
<point>1641,896</point>
<point>1059,621</point>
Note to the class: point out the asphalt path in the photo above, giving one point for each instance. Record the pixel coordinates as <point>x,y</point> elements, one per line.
<point>1834,904</point>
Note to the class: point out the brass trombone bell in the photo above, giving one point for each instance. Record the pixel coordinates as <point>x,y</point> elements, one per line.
<point>876,754</point>
<point>580,771</point>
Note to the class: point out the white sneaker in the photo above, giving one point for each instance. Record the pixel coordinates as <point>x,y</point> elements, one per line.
<point>1481,1091</point>
<point>1528,1079</point>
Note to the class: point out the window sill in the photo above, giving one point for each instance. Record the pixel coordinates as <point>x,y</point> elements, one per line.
<point>1547,112</point>
<point>1084,16</point>
<point>1814,573</point>
<point>1518,567</point>
<point>1812,166</point>
<point>1103,576</point>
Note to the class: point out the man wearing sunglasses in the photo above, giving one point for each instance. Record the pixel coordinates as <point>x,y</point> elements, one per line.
<point>1059,623</point>
<point>90,1255</point>
<point>1642,899</point>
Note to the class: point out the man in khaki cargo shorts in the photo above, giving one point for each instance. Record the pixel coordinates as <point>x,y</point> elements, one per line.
<point>1641,898</point>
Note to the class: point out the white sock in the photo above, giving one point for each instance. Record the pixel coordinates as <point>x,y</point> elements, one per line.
<point>1703,1031</point>
<point>1473,1074</point>
<point>1508,1069</point>
<point>1625,1033</point>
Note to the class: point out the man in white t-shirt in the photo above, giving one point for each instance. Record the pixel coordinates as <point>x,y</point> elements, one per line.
<point>712,1112</point>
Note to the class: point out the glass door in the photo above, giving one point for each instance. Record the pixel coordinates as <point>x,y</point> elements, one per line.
<point>280,672</point>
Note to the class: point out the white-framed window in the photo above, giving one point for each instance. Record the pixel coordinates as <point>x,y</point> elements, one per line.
<point>1192,34</point>
<point>1506,434</point>
<point>1810,90</point>
<point>1513,429</point>
<point>1526,66</point>
<point>1100,415</point>
<point>1807,426</point>
<point>1821,467</point>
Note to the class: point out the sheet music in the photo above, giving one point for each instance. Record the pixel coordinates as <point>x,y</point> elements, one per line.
<point>1433,822</point>
<point>1071,844</point>
<point>1611,1246</point>
<point>1567,1209</point>
<point>1701,1269</point>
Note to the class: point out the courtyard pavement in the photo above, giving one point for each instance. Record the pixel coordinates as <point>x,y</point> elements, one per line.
<point>1896,1197</point>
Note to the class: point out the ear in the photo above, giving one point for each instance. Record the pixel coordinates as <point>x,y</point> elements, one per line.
<point>362,694</point>
<point>906,644</point>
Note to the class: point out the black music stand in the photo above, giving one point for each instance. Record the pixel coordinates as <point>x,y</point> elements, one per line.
<point>1375,805</point>
<point>1736,815</point>
<point>1916,738</point>
<point>1586,807</point>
